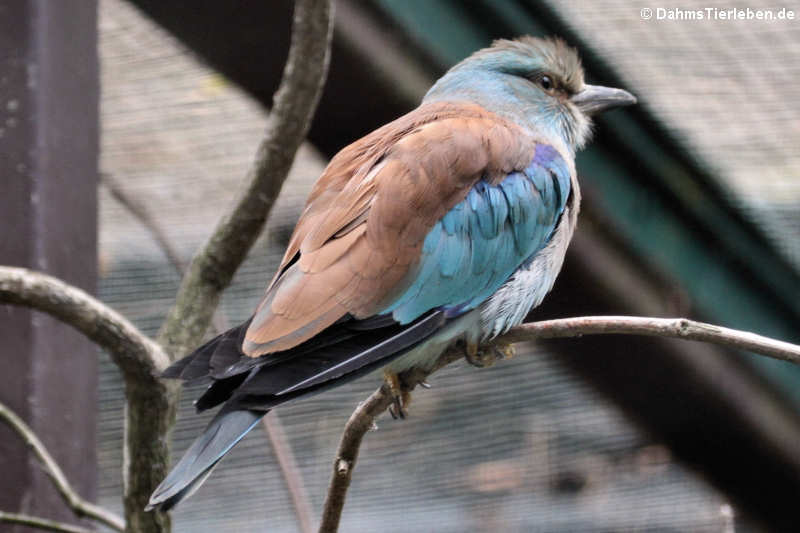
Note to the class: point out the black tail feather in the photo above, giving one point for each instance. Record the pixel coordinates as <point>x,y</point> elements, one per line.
<point>220,391</point>
<point>214,356</point>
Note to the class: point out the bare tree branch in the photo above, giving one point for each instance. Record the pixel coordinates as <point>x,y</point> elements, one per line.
<point>41,523</point>
<point>363,418</point>
<point>135,354</point>
<point>680,328</point>
<point>79,506</point>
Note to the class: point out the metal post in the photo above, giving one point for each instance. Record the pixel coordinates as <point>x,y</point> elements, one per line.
<point>48,222</point>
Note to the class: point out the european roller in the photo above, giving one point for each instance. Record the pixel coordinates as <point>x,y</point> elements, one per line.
<point>448,224</point>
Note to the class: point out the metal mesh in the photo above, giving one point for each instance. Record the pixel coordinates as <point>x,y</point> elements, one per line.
<point>522,446</point>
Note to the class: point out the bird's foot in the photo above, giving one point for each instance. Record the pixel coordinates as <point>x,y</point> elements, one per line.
<point>400,398</point>
<point>485,356</point>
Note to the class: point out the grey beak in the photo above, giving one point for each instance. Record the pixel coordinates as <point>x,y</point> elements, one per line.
<point>595,98</point>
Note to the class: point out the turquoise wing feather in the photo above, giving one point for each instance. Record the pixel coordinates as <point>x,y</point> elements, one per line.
<point>483,239</point>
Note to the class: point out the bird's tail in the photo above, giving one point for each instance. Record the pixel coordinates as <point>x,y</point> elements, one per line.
<point>221,434</point>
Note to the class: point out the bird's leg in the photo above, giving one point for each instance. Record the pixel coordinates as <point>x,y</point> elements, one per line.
<point>487,355</point>
<point>400,398</point>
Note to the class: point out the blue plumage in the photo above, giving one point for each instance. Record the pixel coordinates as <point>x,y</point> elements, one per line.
<point>484,238</point>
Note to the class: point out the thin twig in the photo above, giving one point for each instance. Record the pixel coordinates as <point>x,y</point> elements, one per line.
<point>365,414</point>
<point>291,472</point>
<point>142,213</point>
<point>41,523</point>
<point>79,506</point>
<point>680,328</point>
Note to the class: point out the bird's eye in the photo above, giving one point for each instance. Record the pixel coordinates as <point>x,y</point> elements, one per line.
<point>546,83</point>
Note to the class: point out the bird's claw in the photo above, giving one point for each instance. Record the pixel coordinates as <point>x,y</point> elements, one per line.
<point>400,398</point>
<point>485,356</point>
<point>396,409</point>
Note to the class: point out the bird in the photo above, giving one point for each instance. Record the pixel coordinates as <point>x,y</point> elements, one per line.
<point>448,224</point>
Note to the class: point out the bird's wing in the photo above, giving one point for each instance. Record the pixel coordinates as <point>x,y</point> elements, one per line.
<point>482,240</point>
<point>435,209</point>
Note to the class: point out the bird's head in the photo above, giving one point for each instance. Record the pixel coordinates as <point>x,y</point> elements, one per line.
<point>535,82</point>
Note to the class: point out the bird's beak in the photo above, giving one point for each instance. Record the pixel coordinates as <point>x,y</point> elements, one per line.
<point>595,98</point>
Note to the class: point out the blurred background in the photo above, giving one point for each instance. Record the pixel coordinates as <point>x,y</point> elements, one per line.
<point>691,208</point>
